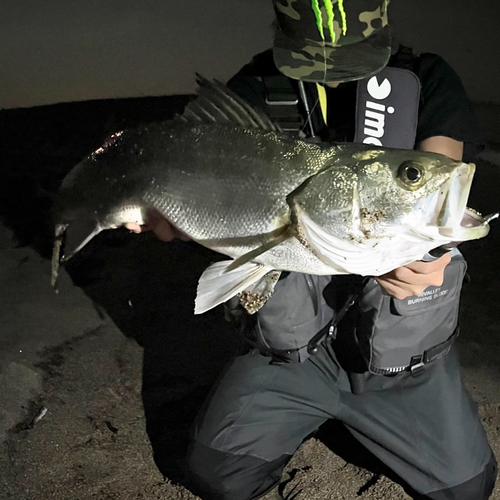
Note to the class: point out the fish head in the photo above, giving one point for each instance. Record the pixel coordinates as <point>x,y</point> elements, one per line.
<point>379,193</point>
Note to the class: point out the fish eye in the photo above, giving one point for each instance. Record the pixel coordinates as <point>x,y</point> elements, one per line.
<point>411,174</point>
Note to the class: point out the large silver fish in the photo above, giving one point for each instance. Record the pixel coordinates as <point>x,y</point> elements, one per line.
<point>226,177</point>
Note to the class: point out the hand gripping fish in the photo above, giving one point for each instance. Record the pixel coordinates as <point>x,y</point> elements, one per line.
<point>223,174</point>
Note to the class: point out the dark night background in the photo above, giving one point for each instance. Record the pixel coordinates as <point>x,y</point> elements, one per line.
<point>72,73</point>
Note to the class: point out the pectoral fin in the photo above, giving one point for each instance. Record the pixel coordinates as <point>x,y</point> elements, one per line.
<point>217,284</point>
<point>280,235</point>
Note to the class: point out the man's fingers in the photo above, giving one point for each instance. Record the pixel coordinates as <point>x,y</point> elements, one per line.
<point>421,273</point>
<point>414,278</point>
<point>163,230</point>
<point>156,223</point>
<point>395,289</point>
<point>421,267</point>
<point>134,227</point>
<point>406,276</point>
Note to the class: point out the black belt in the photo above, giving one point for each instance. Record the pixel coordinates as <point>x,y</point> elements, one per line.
<point>417,363</point>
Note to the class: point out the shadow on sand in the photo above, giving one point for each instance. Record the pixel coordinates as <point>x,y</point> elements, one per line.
<point>148,287</point>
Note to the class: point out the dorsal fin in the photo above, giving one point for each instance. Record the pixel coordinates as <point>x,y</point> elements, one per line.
<point>218,104</point>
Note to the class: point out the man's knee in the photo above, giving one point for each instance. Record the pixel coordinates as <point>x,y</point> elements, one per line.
<point>217,475</point>
<point>479,487</point>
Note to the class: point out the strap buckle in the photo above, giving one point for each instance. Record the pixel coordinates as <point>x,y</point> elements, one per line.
<point>277,102</point>
<point>417,366</point>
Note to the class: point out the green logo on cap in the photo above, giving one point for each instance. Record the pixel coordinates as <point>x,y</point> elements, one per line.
<point>330,17</point>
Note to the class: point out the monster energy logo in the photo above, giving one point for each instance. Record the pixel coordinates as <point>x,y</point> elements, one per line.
<point>328,4</point>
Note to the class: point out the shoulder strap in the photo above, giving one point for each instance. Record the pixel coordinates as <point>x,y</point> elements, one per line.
<point>404,58</point>
<point>387,109</point>
<point>282,103</point>
<point>289,104</point>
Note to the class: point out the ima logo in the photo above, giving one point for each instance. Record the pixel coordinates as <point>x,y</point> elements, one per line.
<point>375,112</point>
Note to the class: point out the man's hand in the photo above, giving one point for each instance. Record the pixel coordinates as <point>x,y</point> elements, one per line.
<point>160,226</point>
<point>414,278</point>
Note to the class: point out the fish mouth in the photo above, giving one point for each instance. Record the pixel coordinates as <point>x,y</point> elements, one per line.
<point>472,226</point>
<point>454,219</point>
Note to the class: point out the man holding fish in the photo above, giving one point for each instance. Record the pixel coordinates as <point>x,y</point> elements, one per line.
<point>375,353</point>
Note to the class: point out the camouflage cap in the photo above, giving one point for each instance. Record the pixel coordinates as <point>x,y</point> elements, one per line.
<point>331,40</point>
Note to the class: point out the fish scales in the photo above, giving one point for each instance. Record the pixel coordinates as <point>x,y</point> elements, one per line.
<point>211,192</point>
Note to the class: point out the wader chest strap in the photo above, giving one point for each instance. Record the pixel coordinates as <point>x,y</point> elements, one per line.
<point>282,103</point>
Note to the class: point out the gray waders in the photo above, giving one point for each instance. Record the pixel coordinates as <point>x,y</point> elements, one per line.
<point>426,429</point>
